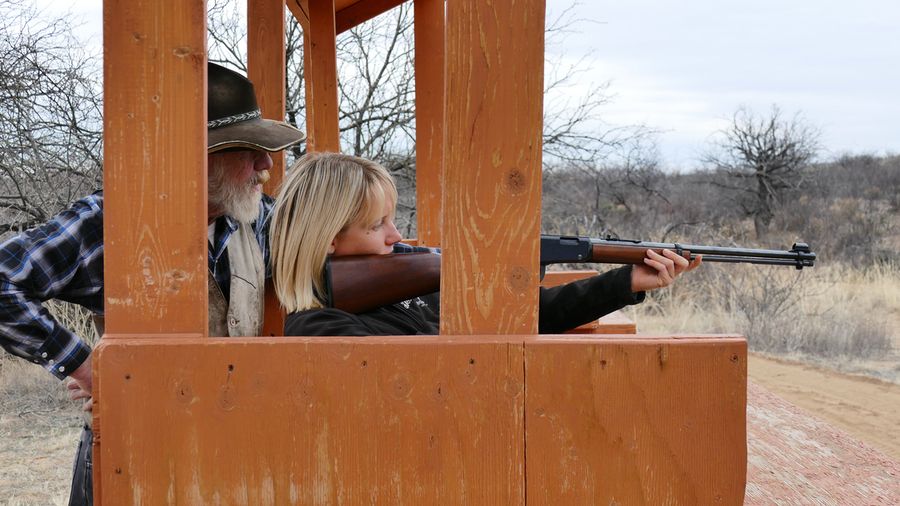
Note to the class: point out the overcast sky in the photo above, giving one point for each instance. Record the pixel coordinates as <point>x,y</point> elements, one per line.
<point>684,67</point>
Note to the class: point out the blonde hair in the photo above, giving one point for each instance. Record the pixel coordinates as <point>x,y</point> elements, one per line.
<point>322,194</point>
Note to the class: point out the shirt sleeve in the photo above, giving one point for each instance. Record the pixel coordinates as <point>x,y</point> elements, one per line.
<point>61,259</point>
<point>568,306</point>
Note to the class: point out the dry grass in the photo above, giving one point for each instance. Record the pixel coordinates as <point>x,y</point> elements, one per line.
<point>833,314</point>
<point>39,428</point>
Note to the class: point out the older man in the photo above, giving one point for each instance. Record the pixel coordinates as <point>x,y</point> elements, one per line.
<point>63,259</point>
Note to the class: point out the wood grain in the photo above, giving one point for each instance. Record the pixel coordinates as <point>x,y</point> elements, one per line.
<point>155,166</point>
<point>649,421</point>
<point>430,87</point>
<point>423,420</point>
<point>320,68</point>
<point>312,421</point>
<point>492,167</point>
<point>266,70</point>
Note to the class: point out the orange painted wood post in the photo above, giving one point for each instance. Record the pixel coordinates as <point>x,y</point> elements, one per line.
<point>430,28</point>
<point>266,69</point>
<point>320,67</point>
<point>492,167</point>
<point>155,216</point>
<point>155,167</point>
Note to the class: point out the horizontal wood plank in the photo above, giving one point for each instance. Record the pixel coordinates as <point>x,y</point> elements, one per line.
<point>311,421</point>
<point>423,420</point>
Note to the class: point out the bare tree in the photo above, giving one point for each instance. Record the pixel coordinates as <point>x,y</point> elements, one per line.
<point>50,108</point>
<point>763,158</point>
<point>574,131</point>
<point>376,89</point>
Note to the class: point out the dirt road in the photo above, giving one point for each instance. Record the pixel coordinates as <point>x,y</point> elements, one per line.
<point>865,408</point>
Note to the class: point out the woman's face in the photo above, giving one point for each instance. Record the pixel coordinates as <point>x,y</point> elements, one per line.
<point>368,238</point>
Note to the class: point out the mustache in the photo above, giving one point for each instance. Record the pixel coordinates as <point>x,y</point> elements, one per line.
<point>260,177</point>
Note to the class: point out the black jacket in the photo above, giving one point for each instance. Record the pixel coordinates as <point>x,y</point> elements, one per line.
<point>561,308</point>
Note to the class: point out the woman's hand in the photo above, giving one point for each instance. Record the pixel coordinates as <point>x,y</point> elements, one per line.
<point>660,271</point>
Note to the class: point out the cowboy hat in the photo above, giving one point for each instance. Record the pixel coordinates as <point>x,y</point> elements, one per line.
<point>234,120</point>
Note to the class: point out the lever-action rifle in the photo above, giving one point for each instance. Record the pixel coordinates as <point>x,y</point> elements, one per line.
<point>357,284</point>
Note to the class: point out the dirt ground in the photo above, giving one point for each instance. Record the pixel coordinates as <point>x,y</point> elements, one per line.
<point>37,448</point>
<point>38,437</point>
<point>865,408</point>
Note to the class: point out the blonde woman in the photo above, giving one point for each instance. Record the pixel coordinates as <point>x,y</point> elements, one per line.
<point>334,204</point>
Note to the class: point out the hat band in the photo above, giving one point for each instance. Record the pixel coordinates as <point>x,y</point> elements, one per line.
<point>229,120</point>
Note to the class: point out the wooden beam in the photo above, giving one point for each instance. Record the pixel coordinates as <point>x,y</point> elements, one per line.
<point>300,11</point>
<point>492,167</point>
<point>266,70</point>
<point>320,62</point>
<point>155,166</point>
<point>408,420</point>
<point>424,420</point>
<point>430,28</point>
<point>362,11</point>
<point>154,177</point>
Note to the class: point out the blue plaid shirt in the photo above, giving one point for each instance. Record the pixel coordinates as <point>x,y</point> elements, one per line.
<point>63,259</point>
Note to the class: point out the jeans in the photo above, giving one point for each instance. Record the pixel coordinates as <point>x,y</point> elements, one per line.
<point>83,476</point>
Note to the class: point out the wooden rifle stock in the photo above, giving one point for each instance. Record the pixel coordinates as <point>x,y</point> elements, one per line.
<point>357,284</point>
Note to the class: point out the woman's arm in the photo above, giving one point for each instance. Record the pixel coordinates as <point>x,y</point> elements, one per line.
<point>568,306</point>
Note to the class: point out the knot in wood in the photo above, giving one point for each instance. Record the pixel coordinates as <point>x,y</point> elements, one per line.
<point>519,279</point>
<point>514,182</point>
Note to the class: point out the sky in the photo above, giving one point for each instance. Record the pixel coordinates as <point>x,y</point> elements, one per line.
<point>683,68</point>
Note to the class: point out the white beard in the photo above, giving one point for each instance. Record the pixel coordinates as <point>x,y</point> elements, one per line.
<point>233,198</point>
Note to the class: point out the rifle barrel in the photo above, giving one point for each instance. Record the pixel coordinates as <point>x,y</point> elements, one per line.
<point>799,255</point>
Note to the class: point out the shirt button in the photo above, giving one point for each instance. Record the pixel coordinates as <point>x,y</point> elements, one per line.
<point>62,368</point>
<point>232,322</point>
<point>51,361</point>
<point>44,355</point>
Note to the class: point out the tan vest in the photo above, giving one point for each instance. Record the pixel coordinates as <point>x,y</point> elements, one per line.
<point>248,278</point>
<point>244,317</point>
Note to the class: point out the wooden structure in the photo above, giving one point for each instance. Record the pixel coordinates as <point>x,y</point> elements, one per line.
<point>488,412</point>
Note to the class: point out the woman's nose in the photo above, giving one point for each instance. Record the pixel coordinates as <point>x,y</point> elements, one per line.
<point>393,235</point>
